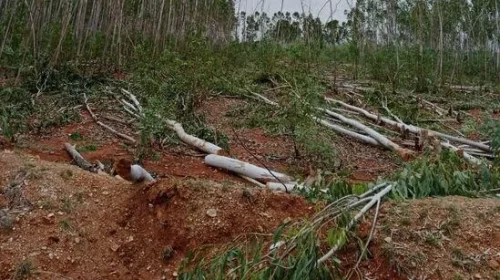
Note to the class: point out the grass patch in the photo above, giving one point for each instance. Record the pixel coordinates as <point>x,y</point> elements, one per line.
<point>87,148</point>
<point>24,270</point>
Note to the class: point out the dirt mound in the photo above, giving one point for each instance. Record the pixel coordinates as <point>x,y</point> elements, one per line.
<point>437,238</point>
<point>77,225</point>
<point>186,215</point>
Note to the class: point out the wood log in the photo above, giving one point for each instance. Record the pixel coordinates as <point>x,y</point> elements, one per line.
<point>139,174</point>
<point>79,159</point>
<point>411,128</point>
<point>405,154</point>
<point>247,169</point>
<point>192,140</point>
<point>341,130</point>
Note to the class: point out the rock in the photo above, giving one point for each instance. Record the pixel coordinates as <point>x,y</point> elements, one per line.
<point>477,276</point>
<point>130,239</point>
<point>77,240</point>
<point>212,213</point>
<point>175,274</point>
<point>115,247</point>
<point>105,193</point>
<point>51,256</point>
<point>388,239</point>
<point>494,264</point>
<point>51,215</point>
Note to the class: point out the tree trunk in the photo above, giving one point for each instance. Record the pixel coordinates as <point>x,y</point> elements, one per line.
<point>247,169</point>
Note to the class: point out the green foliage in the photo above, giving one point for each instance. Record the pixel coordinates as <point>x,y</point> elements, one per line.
<point>23,270</point>
<point>15,106</point>
<point>446,175</point>
<point>250,262</point>
<point>492,129</point>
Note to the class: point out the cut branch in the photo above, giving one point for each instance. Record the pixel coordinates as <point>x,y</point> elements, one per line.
<point>105,126</point>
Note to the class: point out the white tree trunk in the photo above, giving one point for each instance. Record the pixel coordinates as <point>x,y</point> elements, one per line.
<point>339,129</point>
<point>78,158</point>
<point>471,159</point>
<point>411,128</point>
<point>384,141</point>
<point>139,174</point>
<point>192,140</point>
<point>247,169</point>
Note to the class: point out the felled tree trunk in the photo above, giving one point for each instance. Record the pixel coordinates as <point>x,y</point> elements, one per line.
<point>192,140</point>
<point>341,130</point>
<point>411,128</point>
<point>247,169</point>
<point>461,153</point>
<point>384,141</point>
<point>78,158</point>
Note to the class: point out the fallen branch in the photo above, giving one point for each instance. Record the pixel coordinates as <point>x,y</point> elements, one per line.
<point>375,199</point>
<point>105,126</point>
<point>384,105</point>
<point>134,100</point>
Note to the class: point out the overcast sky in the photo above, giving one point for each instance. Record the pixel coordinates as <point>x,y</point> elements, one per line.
<point>319,8</point>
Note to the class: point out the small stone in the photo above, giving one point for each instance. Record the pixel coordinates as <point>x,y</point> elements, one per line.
<point>51,256</point>
<point>494,264</point>
<point>60,213</point>
<point>77,240</point>
<point>287,220</point>
<point>44,248</point>
<point>130,239</point>
<point>105,193</point>
<point>115,247</point>
<point>175,274</point>
<point>212,213</point>
<point>388,239</point>
<point>150,205</point>
<point>477,276</point>
<point>51,215</point>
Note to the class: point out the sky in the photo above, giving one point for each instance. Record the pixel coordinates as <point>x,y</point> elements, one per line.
<point>319,8</point>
